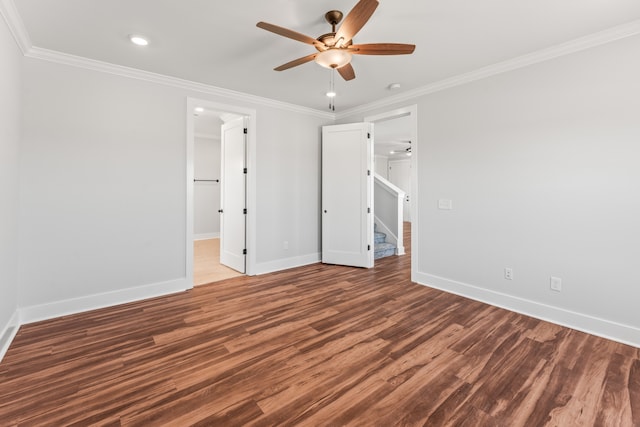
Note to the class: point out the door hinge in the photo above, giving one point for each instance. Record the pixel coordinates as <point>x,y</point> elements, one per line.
<point>220,211</point>
<point>244,170</point>
<point>368,135</point>
<point>244,211</point>
<point>245,131</point>
<point>368,172</point>
<point>244,252</point>
<point>368,247</point>
<point>368,210</point>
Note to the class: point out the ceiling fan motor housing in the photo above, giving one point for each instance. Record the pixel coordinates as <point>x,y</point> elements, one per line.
<point>333,17</point>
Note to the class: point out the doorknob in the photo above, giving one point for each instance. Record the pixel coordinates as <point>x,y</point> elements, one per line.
<point>325,211</point>
<point>219,210</point>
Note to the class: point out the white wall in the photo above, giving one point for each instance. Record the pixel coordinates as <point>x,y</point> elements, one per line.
<point>206,195</point>
<point>542,166</point>
<point>10,115</point>
<point>289,197</point>
<point>104,191</point>
<point>381,166</point>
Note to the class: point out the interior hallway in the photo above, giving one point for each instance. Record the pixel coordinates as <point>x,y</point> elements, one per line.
<point>206,263</point>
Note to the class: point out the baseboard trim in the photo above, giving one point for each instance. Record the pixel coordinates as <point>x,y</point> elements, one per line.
<point>206,236</point>
<point>603,328</point>
<point>36,313</point>
<point>286,263</point>
<point>8,333</point>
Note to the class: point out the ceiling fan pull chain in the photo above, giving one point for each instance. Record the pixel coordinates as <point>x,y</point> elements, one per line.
<point>332,91</point>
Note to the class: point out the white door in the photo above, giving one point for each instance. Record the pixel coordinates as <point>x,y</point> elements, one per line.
<point>233,195</point>
<point>400,176</point>
<point>347,195</point>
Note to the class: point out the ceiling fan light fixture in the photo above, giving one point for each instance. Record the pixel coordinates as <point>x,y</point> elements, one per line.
<point>333,58</point>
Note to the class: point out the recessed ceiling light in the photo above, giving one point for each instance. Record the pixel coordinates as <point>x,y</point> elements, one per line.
<point>139,40</point>
<point>331,94</point>
<point>394,86</point>
<point>199,110</point>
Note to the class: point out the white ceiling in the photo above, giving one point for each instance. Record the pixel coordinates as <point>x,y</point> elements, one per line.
<point>218,43</point>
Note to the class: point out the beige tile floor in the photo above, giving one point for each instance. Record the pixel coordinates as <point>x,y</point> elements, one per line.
<point>206,263</point>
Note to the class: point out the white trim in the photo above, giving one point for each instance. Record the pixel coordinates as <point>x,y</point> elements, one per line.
<point>119,70</point>
<point>190,142</point>
<point>36,313</point>
<point>9,333</point>
<point>16,25</point>
<point>625,334</point>
<point>251,179</point>
<point>287,263</point>
<point>206,236</point>
<point>389,186</point>
<point>582,43</point>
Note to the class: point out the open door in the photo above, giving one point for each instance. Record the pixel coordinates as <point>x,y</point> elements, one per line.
<point>233,195</point>
<point>347,195</point>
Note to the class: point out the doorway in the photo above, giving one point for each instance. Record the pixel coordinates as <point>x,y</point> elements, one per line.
<point>396,151</point>
<point>215,237</point>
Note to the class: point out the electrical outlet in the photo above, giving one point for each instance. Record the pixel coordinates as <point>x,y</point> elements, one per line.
<point>508,273</point>
<point>285,245</point>
<point>555,283</point>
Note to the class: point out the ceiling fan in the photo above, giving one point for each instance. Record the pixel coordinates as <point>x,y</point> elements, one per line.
<point>335,48</point>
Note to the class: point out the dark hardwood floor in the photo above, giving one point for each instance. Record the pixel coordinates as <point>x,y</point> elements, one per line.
<point>318,345</point>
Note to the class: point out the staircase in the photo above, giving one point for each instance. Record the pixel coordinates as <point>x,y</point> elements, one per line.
<point>381,247</point>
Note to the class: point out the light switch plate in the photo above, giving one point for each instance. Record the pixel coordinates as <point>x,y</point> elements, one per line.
<point>445,204</point>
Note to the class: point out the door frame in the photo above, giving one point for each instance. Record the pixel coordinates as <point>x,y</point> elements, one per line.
<point>412,112</point>
<point>250,236</point>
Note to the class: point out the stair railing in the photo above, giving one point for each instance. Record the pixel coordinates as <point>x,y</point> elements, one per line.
<point>388,211</point>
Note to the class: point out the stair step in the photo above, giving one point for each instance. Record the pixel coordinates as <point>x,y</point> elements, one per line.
<point>379,237</point>
<point>382,250</point>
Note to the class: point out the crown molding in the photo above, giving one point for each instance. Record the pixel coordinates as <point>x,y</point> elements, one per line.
<point>596,39</point>
<point>134,73</point>
<point>16,26</point>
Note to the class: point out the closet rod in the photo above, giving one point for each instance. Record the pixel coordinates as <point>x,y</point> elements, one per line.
<point>206,180</point>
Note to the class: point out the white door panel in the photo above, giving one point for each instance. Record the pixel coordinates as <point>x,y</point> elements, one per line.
<point>347,195</point>
<point>232,195</point>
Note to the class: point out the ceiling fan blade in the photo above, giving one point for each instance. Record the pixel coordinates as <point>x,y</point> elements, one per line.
<point>285,32</point>
<point>347,72</point>
<point>381,49</point>
<point>296,62</point>
<point>355,20</point>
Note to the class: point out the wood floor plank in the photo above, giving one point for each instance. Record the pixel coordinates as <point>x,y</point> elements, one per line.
<point>315,345</point>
